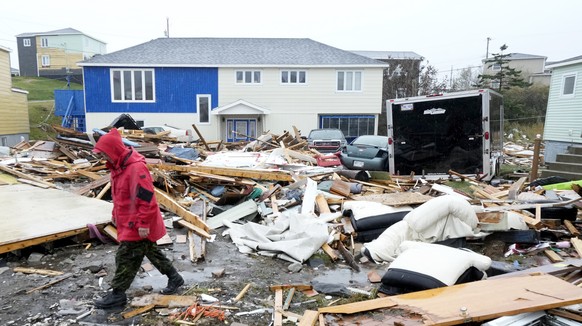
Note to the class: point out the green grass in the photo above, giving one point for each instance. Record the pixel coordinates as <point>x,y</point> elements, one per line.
<point>39,88</point>
<point>41,103</point>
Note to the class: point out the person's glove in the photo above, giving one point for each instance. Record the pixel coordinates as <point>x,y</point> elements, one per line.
<point>143,232</point>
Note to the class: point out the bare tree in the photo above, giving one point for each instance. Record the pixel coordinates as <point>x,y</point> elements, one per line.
<point>429,83</point>
<point>466,79</point>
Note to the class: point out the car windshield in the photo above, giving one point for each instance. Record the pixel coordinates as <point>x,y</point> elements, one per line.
<point>326,134</point>
<point>378,141</point>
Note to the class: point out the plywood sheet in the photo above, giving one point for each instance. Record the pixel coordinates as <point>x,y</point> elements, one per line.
<point>29,212</point>
<point>482,300</point>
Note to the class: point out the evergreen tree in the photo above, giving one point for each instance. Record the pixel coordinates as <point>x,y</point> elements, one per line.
<point>506,77</point>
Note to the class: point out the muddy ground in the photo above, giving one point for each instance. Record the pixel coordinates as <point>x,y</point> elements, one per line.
<point>65,302</point>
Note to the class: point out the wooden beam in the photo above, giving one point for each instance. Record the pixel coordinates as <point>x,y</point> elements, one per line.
<point>310,317</point>
<point>254,174</point>
<point>37,271</point>
<point>36,241</point>
<point>201,137</point>
<point>26,176</point>
<point>571,228</point>
<point>278,317</point>
<point>515,188</point>
<point>171,205</point>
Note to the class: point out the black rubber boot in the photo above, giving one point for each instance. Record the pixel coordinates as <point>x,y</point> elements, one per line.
<point>111,300</point>
<point>174,282</point>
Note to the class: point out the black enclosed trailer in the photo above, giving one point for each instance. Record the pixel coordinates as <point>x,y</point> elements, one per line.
<point>459,131</point>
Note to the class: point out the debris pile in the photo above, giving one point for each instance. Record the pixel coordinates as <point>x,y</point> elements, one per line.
<point>273,197</point>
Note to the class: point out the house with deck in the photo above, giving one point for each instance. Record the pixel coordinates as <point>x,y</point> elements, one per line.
<point>235,88</point>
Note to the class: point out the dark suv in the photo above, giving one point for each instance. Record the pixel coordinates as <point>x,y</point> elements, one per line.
<point>326,140</point>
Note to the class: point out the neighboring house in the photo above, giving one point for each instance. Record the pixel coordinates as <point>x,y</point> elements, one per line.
<point>563,126</point>
<point>14,125</point>
<point>55,54</point>
<point>14,72</point>
<point>532,67</point>
<point>401,77</point>
<point>236,88</point>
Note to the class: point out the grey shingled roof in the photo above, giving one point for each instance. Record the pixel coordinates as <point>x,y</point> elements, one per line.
<point>55,32</point>
<point>520,56</point>
<point>565,62</point>
<point>217,52</point>
<point>386,55</point>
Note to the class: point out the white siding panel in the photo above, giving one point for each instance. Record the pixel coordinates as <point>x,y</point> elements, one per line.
<point>564,114</point>
<point>299,104</point>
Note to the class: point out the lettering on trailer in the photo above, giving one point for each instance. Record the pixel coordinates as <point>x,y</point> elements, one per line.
<point>434,111</point>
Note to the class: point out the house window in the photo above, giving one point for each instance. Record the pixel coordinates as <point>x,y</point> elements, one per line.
<point>44,42</point>
<point>351,125</point>
<point>569,81</point>
<point>26,42</point>
<point>248,77</point>
<point>203,107</point>
<point>4,141</point>
<point>495,84</point>
<point>132,85</point>
<point>496,67</point>
<point>46,61</point>
<point>349,81</point>
<point>293,76</point>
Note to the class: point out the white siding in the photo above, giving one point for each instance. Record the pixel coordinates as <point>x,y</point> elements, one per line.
<point>300,104</point>
<point>564,113</point>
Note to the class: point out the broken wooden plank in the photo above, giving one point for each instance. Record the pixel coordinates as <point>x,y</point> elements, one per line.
<point>481,300</point>
<point>289,298</point>
<point>571,228</point>
<point>194,228</point>
<point>310,317</point>
<point>237,212</point>
<point>138,311</point>
<point>201,137</point>
<point>298,287</point>
<point>516,188</point>
<point>242,292</point>
<point>26,176</point>
<point>26,270</point>
<point>341,188</point>
<point>255,174</point>
<point>166,201</point>
<point>161,300</point>
<point>278,317</point>
<point>554,257</point>
<point>49,284</point>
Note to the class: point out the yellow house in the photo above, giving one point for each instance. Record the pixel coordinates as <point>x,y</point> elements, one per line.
<point>14,125</point>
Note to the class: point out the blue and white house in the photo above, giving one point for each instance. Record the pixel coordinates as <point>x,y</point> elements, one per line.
<point>235,88</point>
<point>563,126</point>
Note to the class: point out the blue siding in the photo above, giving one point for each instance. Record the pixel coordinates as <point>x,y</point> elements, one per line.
<point>63,98</point>
<point>176,90</point>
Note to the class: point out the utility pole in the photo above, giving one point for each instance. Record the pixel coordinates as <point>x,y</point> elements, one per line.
<point>487,52</point>
<point>167,27</point>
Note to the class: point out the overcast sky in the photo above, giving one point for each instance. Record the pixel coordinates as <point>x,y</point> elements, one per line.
<point>449,34</point>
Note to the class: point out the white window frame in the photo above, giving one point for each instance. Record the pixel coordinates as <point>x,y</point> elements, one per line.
<point>44,42</point>
<point>133,86</point>
<point>496,67</point>
<point>248,77</point>
<point>293,77</point>
<point>351,80</point>
<point>495,84</point>
<point>563,88</point>
<point>198,108</point>
<point>45,60</point>
<point>26,42</point>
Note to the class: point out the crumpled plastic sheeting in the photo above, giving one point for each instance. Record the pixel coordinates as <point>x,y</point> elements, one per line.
<point>294,238</point>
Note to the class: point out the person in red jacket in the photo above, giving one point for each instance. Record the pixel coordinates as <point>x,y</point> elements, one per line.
<point>137,217</point>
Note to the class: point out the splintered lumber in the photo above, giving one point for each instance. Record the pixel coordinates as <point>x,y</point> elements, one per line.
<point>554,257</point>
<point>171,205</point>
<point>237,212</point>
<point>160,300</point>
<point>339,187</point>
<point>26,176</point>
<point>194,228</point>
<point>309,318</point>
<point>138,311</point>
<point>577,243</point>
<point>94,184</point>
<point>111,231</point>
<point>329,251</point>
<point>49,284</point>
<point>397,198</point>
<point>322,205</point>
<point>196,243</point>
<point>298,287</point>
<point>278,317</point>
<point>515,188</point>
<point>463,177</point>
<point>482,300</point>
<point>201,138</point>
<point>242,292</point>
<point>255,174</point>
<point>571,228</point>
<point>37,271</point>
<point>289,298</point>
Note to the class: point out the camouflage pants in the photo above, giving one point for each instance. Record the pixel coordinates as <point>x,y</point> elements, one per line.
<point>128,260</point>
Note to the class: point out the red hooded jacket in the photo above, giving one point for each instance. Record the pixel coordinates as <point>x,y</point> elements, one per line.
<point>132,190</point>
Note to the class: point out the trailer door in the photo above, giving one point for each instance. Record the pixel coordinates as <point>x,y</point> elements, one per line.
<point>436,135</point>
